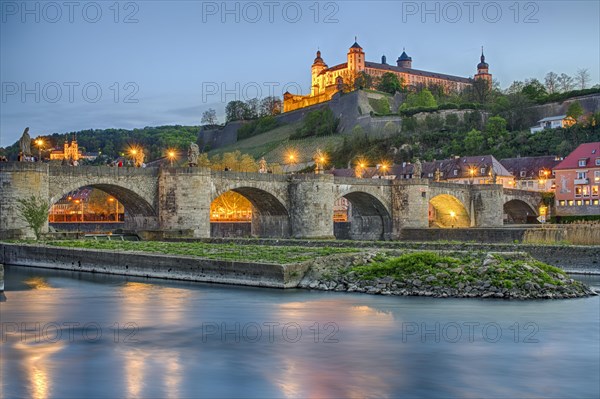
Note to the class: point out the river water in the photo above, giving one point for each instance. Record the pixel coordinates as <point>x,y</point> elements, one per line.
<point>81,335</point>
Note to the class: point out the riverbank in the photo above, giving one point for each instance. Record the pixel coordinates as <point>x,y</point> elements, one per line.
<point>576,259</point>
<point>374,271</point>
<point>507,275</point>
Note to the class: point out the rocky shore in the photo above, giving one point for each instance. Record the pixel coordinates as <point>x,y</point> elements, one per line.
<point>462,275</point>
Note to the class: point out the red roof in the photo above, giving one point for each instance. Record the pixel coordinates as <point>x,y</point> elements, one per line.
<point>588,151</point>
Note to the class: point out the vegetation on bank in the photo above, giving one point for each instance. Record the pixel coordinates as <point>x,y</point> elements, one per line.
<point>230,251</point>
<point>471,275</point>
<point>449,271</point>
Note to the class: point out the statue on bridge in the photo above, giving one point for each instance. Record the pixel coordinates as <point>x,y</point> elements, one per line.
<point>25,144</point>
<point>262,166</point>
<point>437,176</point>
<point>193,154</point>
<point>139,159</point>
<point>417,169</point>
<point>492,174</point>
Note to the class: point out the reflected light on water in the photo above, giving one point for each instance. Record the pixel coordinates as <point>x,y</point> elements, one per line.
<point>38,283</point>
<point>37,364</point>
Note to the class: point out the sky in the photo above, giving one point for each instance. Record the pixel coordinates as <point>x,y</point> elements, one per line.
<point>68,66</point>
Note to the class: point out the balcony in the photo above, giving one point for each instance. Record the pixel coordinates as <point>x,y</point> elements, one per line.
<point>582,181</point>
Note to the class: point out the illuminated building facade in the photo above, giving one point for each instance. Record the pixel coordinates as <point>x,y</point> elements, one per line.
<point>326,81</point>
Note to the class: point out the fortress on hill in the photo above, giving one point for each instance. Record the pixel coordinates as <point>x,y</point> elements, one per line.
<point>326,81</point>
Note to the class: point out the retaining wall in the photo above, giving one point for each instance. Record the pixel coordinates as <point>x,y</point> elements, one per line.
<point>153,265</point>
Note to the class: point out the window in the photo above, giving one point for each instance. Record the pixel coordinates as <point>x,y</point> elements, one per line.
<point>595,202</point>
<point>597,161</point>
<point>582,162</point>
<point>578,202</point>
<point>578,191</point>
<point>562,202</point>
<point>581,175</point>
<point>482,171</point>
<point>455,172</point>
<point>570,202</point>
<point>594,191</point>
<point>523,173</point>
<point>597,176</point>
<point>586,202</point>
<point>586,191</point>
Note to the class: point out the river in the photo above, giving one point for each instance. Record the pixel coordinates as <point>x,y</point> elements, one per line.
<point>83,335</point>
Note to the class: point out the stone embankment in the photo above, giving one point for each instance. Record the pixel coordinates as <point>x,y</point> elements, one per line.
<point>486,277</point>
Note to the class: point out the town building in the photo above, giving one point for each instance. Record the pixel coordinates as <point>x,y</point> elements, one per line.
<point>553,122</point>
<point>578,182</point>
<point>532,173</point>
<point>326,81</point>
<point>70,151</point>
<point>479,169</point>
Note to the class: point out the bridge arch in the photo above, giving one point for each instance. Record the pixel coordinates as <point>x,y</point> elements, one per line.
<point>139,213</point>
<point>446,210</point>
<point>367,218</point>
<point>269,215</point>
<point>517,211</point>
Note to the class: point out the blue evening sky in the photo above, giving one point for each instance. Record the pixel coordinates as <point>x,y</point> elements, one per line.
<point>67,66</point>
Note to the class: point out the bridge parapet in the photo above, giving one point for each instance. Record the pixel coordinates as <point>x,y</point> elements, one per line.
<point>362,182</point>
<point>100,171</point>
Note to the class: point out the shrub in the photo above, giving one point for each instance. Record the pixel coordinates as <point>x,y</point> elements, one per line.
<point>321,122</point>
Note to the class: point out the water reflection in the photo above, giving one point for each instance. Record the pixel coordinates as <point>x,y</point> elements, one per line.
<point>154,343</point>
<point>38,366</point>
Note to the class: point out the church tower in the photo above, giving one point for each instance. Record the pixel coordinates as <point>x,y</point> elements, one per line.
<point>356,59</point>
<point>317,85</point>
<point>483,70</point>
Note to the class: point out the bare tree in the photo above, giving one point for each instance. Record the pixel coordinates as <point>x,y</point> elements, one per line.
<point>582,78</point>
<point>209,117</point>
<point>551,81</point>
<point>565,82</point>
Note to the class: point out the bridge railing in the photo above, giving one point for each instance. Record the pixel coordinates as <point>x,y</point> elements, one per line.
<point>23,166</point>
<point>99,171</point>
<point>230,175</point>
<point>364,182</point>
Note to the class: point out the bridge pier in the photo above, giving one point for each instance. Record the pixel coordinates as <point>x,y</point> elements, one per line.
<point>20,180</point>
<point>487,205</point>
<point>184,198</point>
<point>314,218</point>
<point>410,205</point>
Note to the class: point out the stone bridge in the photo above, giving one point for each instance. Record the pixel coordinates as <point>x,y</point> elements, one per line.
<point>301,205</point>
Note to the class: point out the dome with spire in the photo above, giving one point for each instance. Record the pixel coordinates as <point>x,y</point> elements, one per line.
<point>319,60</point>
<point>482,64</point>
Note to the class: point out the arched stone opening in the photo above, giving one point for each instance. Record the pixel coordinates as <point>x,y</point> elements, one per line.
<point>519,212</point>
<point>248,211</point>
<point>447,211</point>
<point>361,216</point>
<point>124,209</point>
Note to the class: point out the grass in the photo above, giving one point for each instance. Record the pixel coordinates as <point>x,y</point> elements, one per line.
<point>249,253</point>
<point>275,144</point>
<point>450,270</point>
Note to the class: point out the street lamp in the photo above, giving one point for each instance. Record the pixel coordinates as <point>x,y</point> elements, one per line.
<point>171,156</point>
<point>40,144</point>
<point>111,199</point>
<point>453,217</point>
<point>320,160</point>
<point>80,202</point>
<point>471,174</point>
<point>384,168</point>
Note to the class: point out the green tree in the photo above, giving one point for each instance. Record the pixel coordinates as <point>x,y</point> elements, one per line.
<point>534,90</point>
<point>35,212</point>
<point>363,81</point>
<point>575,110</point>
<point>473,142</point>
<point>236,110</point>
<point>389,83</point>
<point>422,99</point>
